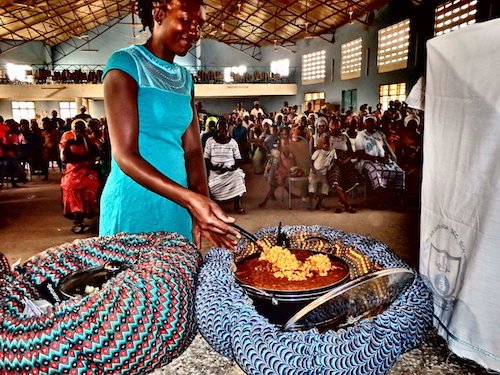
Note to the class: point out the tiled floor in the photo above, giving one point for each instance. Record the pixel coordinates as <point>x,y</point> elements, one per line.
<point>31,220</point>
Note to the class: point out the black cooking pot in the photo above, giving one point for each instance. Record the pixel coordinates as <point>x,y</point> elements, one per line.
<point>278,306</point>
<point>74,284</point>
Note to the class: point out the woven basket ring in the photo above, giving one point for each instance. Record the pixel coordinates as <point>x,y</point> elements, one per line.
<point>229,322</point>
<point>138,321</point>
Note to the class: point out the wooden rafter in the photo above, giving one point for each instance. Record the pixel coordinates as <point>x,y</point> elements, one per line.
<point>247,22</point>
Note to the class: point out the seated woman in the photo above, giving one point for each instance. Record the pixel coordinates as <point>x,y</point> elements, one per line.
<point>280,165</point>
<point>342,175</point>
<point>377,160</point>
<point>226,181</point>
<point>80,181</point>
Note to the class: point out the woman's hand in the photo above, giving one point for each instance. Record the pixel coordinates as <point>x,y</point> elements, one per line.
<point>345,160</point>
<point>385,159</point>
<point>210,221</point>
<point>215,239</point>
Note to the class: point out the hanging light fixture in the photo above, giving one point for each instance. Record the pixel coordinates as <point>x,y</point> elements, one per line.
<point>135,36</point>
<point>306,24</point>
<point>88,49</point>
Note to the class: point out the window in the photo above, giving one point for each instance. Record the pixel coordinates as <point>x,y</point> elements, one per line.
<point>23,110</point>
<point>311,96</point>
<point>317,99</point>
<point>281,67</point>
<point>314,67</point>
<point>67,109</point>
<point>453,15</point>
<point>21,73</point>
<point>231,71</point>
<point>394,91</point>
<point>393,47</point>
<point>351,59</point>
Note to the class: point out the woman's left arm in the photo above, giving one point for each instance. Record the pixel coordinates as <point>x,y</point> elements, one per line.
<point>197,182</point>
<point>388,149</point>
<point>195,164</point>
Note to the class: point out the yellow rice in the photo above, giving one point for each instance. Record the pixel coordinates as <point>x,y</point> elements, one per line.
<point>284,264</point>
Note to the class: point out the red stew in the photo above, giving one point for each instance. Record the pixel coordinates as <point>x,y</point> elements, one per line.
<point>257,273</point>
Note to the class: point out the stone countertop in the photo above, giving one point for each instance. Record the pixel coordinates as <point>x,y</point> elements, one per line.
<point>431,358</point>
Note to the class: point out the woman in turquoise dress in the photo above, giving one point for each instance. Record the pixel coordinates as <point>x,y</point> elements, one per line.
<point>158,179</point>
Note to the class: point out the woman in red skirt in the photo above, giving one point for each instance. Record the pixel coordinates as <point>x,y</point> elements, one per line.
<point>80,181</point>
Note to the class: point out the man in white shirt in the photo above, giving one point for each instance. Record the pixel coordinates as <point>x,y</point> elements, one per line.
<point>256,110</point>
<point>239,110</point>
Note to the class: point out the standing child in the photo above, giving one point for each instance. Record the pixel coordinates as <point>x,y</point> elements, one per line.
<point>279,167</point>
<point>322,159</point>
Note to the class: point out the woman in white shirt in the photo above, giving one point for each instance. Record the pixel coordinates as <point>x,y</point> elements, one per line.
<point>226,181</point>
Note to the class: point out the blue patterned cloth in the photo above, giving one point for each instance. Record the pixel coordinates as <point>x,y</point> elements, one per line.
<point>228,321</point>
<point>164,105</point>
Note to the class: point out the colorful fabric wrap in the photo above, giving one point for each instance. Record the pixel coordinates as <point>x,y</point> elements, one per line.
<point>231,325</point>
<point>137,322</point>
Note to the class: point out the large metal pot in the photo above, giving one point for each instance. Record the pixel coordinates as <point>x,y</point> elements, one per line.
<point>278,306</point>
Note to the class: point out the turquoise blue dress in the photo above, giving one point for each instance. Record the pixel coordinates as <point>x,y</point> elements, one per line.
<point>164,107</point>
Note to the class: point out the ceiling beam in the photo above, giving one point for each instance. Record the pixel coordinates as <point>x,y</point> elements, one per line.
<point>63,50</point>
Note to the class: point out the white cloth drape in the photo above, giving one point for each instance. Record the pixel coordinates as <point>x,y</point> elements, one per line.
<point>460,224</point>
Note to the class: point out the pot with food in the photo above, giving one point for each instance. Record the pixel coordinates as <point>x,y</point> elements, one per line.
<point>281,281</point>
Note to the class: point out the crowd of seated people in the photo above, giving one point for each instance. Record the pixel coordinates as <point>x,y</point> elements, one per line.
<point>29,148</point>
<point>79,147</point>
<point>94,76</point>
<point>214,76</point>
<point>57,76</point>
<point>382,148</point>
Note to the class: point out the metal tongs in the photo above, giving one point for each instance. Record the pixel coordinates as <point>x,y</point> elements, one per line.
<point>282,238</point>
<point>248,235</point>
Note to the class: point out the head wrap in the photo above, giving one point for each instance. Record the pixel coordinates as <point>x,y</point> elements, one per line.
<point>267,121</point>
<point>366,117</point>
<point>298,119</point>
<point>413,117</point>
<point>76,121</point>
<point>312,114</point>
<point>321,121</point>
<point>210,118</point>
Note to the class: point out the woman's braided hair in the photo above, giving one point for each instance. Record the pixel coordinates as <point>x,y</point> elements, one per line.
<point>145,11</point>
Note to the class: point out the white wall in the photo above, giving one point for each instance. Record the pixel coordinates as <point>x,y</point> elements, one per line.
<point>218,54</point>
<point>44,108</point>
<point>117,37</point>
<point>26,53</point>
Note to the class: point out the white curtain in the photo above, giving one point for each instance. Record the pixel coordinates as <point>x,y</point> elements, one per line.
<point>460,224</point>
<point>416,97</point>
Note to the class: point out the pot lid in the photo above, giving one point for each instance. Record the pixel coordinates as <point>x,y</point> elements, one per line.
<point>346,304</point>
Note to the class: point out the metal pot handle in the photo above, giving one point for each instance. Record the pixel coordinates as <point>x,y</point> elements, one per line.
<point>274,300</point>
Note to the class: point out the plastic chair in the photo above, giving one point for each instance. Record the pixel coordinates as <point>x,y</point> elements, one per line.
<point>302,152</point>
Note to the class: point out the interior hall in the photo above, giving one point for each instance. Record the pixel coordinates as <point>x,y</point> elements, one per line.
<point>367,124</point>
